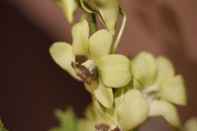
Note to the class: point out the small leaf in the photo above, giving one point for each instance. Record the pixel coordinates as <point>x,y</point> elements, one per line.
<point>62,54</point>
<point>114,70</point>
<point>133,110</point>
<point>144,69</point>
<point>100,43</point>
<point>191,125</point>
<point>173,90</point>
<point>104,95</point>
<point>166,110</point>
<point>165,69</point>
<point>69,7</point>
<point>80,34</point>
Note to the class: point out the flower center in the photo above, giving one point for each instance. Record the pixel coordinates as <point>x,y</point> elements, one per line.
<point>150,92</point>
<point>85,69</point>
<point>105,127</point>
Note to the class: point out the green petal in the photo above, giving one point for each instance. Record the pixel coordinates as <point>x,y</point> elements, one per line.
<point>191,125</point>
<point>133,110</point>
<point>104,95</point>
<point>109,11</point>
<point>144,69</point>
<point>110,15</point>
<point>67,119</point>
<point>165,69</point>
<point>80,34</point>
<point>114,70</point>
<point>173,90</point>
<point>86,125</point>
<point>62,54</point>
<point>100,43</point>
<point>69,7</point>
<point>166,110</point>
<point>84,6</point>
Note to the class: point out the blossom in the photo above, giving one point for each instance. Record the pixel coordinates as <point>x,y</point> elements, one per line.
<point>107,9</point>
<point>69,7</point>
<point>154,92</point>
<point>190,125</point>
<point>89,59</point>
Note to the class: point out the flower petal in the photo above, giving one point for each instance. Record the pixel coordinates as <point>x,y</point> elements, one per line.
<point>144,69</point>
<point>165,69</point>
<point>114,70</point>
<point>86,125</point>
<point>80,34</point>
<point>110,15</point>
<point>133,110</point>
<point>166,110</point>
<point>62,54</point>
<point>191,125</point>
<point>67,119</point>
<point>100,43</point>
<point>69,7</point>
<point>104,95</point>
<point>173,90</point>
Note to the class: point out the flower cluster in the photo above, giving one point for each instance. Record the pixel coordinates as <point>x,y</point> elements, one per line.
<point>125,92</point>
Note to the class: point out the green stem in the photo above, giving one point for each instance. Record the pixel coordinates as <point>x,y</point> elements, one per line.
<point>120,33</point>
<point>93,23</point>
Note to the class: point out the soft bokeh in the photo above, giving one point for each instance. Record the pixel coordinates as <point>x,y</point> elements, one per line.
<point>33,85</point>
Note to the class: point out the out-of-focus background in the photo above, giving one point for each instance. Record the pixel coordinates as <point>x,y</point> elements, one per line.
<point>32,86</point>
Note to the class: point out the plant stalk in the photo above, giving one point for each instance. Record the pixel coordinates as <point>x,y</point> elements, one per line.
<point>120,33</point>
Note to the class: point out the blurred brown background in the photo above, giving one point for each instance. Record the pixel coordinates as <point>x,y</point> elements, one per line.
<point>33,86</point>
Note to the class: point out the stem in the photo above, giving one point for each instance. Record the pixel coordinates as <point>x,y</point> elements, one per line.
<point>93,23</point>
<point>122,28</point>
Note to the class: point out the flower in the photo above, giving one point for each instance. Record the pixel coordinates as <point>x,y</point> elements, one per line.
<point>101,119</point>
<point>89,59</point>
<point>154,92</point>
<point>190,125</point>
<point>69,7</point>
<point>107,9</point>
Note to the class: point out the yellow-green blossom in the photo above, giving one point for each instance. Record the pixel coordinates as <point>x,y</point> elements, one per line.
<point>107,9</point>
<point>88,59</point>
<point>191,125</point>
<point>69,7</point>
<point>154,92</point>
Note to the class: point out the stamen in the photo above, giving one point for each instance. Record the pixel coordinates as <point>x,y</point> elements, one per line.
<point>80,59</point>
<point>102,127</point>
<point>116,129</point>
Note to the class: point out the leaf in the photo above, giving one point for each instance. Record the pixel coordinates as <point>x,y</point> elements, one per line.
<point>104,95</point>
<point>166,110</point>
<point>62,54</point>
<point>173,90</point>
<point>80,34</point>
<point>133,110</point>
<point>114,70</point>
<point>100,43</point>
<point>69,7</point>
<point>144,69</point>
